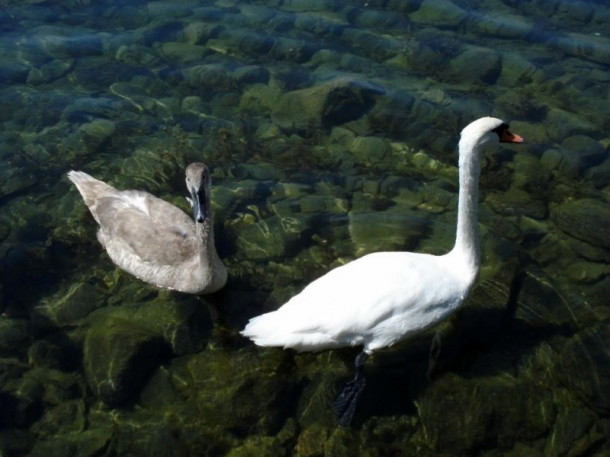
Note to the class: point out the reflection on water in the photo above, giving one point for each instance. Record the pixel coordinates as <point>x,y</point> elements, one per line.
<point>331,128</point>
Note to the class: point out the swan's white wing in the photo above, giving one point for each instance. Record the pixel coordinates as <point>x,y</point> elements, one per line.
<point>380,296</point>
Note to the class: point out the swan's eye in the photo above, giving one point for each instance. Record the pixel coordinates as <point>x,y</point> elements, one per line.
<point>500,130</point>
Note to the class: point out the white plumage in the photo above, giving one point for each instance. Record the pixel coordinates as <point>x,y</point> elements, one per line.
<point>385,297</point>
<point>373,302</point>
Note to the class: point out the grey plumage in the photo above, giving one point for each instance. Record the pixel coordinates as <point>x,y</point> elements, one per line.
<point>154,240</point>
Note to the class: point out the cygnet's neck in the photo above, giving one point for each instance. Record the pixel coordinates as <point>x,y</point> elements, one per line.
<point>205,234</point>
<point>212,268</point>
<point>467,236</point>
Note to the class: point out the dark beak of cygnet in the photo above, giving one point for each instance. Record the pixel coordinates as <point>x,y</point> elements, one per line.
<point>199,205</point>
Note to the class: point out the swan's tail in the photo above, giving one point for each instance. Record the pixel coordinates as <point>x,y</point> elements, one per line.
<point>260,330</point>
<point>273,330</point>
<point>90,188</point>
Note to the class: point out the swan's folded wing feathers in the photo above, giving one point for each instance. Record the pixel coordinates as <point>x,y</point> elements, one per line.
<point>358,303</point>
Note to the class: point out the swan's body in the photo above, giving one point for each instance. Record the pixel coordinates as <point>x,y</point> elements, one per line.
<point>385,297</point>
<point>154,240</point>
<point>373,302</point>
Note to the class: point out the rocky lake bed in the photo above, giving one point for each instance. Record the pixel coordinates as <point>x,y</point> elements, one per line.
<point>331,129</point>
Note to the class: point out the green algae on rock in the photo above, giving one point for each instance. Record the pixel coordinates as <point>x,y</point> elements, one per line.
<point>118,357</point>
<point>239,390</point>
<point>587,352</point>
<point>331,127</point>
<point>587,220</point>
<point>328,104</point>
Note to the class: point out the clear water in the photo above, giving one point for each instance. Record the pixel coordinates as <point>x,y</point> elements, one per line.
<point>331,128</point>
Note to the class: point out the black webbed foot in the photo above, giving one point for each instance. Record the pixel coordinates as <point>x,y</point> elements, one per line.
<point>345,404</point>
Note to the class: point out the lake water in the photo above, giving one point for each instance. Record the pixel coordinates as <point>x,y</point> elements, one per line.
<point>331,129</point>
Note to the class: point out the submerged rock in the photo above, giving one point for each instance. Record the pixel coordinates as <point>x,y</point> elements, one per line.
<point>439,13</point>
<point>460,415</point>
<point>561,124</point>
<point>391,230</point>
<point>585,151</point>
<point>571,426</point>
<point>5,228</point>
<point>15,334</point>
<point>96,132</point>
<point>118,356</point>
<point>209,77</point>
<point>541,303</point>
<point>599,176</point>
<point>585,366</point>
<point>586,46</point>
<point>587,220</point>
<point>60,43</point>
<point>46,354</point>
<point>67,307</point>
<point>476,65</point>
<point>370,150</point>
<point>516,71</point>
<point>504,25</point>
<point>14,180</point>
<point>240,391</point>
<point>251,74</point>
<point>198,32</point>
<point>325,105</point>
<point>50,71</point>
<point>263,239</point>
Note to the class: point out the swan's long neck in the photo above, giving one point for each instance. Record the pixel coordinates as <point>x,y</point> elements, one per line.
<point>467,237</point>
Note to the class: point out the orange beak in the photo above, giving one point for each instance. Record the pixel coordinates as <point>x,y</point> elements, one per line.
<point>508,137</point>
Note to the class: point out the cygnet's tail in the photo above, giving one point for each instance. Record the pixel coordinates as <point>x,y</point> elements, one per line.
<point>90,188</point>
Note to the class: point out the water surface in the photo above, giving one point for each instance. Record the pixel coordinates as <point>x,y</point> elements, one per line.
<point>331,128</point>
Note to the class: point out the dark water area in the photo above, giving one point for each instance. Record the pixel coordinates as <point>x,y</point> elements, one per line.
<point>331,129</point>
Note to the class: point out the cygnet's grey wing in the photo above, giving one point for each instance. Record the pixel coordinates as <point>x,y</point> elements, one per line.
<point>147,227</point>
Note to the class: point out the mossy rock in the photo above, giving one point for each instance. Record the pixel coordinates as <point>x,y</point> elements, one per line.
<point>439,13</point>
<point>118,357</point>
<point>476,65</point>
<point>15,334</point>
<point>68,307</point>
<point>329,104</point>
<point>264,239</point>
<point>541,303</point>
<point>242,391</point>
<point>370,150</point>
<point>589,152</point>
<point>571,426</point>
<point>183,322</point>
<point>460,415</point>
<point>587,220</point>
<point>394,229</point>
<point>268,446</point>
<point>562,124</point>
<point>588,353</point>
<point>58,387</point>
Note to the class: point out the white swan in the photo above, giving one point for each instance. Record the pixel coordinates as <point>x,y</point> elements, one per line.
<point>154,240</point>
<point>385,297</point>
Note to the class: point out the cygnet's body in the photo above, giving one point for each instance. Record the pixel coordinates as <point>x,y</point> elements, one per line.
<point>154,240</point>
